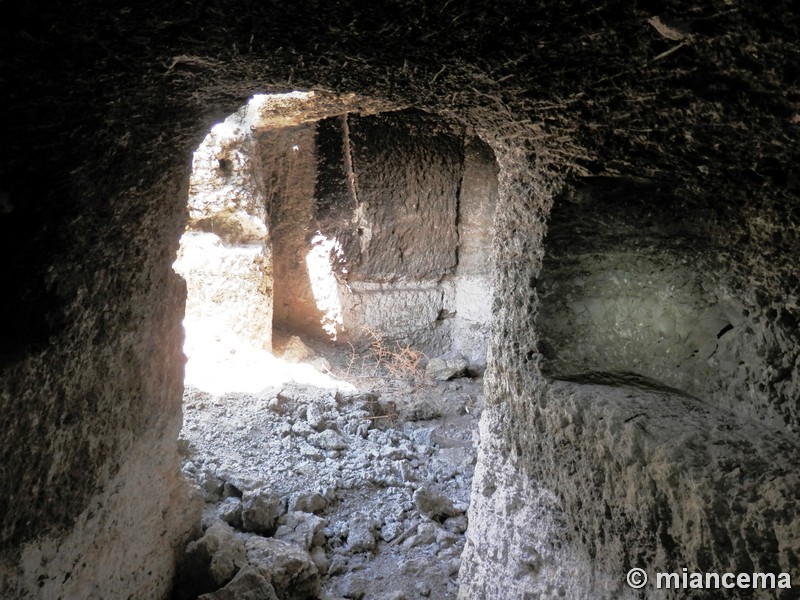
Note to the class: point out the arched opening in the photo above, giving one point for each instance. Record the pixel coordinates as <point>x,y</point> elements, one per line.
<point>338,224</point>
<point>339,276</point>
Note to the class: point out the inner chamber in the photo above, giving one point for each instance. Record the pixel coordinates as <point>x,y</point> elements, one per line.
<point>341,227</point>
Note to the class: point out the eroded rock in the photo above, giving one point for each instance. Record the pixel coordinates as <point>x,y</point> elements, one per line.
<point>301,529</point>
<point>307,502</point>
<point>443,369</point>
<point>249,584</point>
<point>230,511</point>
<point>260,511</point>
<point>361,534</point>
<point>289,568</point>
<point>210,562</point>
<point>434,505</point>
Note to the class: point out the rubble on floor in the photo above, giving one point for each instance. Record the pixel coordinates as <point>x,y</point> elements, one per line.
<point>331,493</point>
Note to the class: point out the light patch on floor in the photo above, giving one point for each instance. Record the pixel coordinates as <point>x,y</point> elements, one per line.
<point>219,363</point>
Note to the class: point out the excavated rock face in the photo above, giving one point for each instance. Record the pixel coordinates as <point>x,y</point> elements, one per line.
<point>409,200</point>
<point>635,289</point>
<point>663,136</point>
<point>355,227</point>
<point>407,170</point>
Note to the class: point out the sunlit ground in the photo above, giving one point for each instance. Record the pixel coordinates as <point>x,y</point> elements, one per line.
<point>219,364</point>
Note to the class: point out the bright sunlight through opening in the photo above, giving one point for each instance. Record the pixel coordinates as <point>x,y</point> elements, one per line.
<point>226,259</point>
<point>323,282</point>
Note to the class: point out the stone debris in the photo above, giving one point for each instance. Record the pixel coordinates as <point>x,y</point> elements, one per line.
<point>311,503</point>
<point>249,584</point>
<point>361,535</point>
<point>314,493</point>
<point>286,566</point>
<point>301,529</point>
<point>260,511</point>
<point>444,369</point>
<point>211,561</point>
<point>434,505</point>
<point>230,511</point>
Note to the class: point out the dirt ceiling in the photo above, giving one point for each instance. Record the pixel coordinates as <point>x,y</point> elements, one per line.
<point>692,97</point>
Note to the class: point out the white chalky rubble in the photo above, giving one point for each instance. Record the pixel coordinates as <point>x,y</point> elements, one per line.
<point>334,493</point>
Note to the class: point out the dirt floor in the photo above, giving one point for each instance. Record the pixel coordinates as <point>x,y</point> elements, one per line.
<point>367,476</point>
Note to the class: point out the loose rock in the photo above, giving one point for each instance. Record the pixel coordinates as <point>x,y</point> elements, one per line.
<point>301,529</point>
<point>210,562</point>
<point>249,584</point>
<point>351,461</point>
<point>230,511</point>
<point>310,503</point>
<point>361,537</point>
<point>434,505</point>
<point>260,510</point>
<point>443,369</point>
<point>288,568</point>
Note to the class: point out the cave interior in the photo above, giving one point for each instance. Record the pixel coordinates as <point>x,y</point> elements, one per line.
<point>596,203</point>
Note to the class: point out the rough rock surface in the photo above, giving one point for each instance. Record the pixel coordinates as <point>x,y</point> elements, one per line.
<point>288,157</point>
<point>260,510</point>
<point>653,463</point>
<point>632,292</point>
<point>223,280</point>
<point>287,567</point>
<point>249,584</point>
<point>416,162</point>
<point>474,281</point>
<point>224,256</point>
<point>443,369</point>
<point>210,562</point>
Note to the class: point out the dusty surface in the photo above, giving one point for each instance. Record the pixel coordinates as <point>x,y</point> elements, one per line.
<point>369,454</point>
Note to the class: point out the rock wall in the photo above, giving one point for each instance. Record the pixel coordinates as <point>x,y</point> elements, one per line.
<point>224,255</point>
<point>93,501</point>
<point>289,159</point>
<point>407,216</point>
<point>393,183</point>
<point>407,168</point>
<point>673,443</point>
<point>633,290</point>
<point>474,276</point>
<point>646,479</point>
<point>410,202</point>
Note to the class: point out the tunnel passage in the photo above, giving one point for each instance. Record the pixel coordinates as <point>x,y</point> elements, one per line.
<point>347,227</point>
<point>350,226</point>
